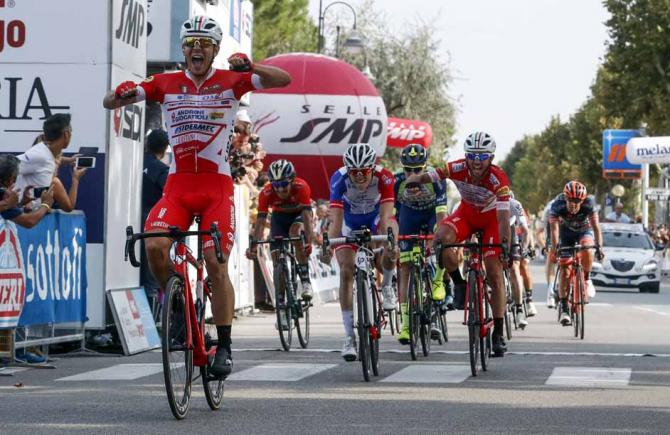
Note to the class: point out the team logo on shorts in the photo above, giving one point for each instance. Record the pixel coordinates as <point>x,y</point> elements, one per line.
<point>161,213</point>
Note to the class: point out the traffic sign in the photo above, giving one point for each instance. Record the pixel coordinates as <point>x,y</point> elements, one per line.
<point>657,194</point>
<point>615,163</point>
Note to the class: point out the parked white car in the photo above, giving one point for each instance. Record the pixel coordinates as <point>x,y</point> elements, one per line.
<point>631,259</point>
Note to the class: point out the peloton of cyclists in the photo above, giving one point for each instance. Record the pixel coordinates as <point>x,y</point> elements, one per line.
<point>519,243</point>
<point>574,220</point>
<point>485,195</point>
<point>361,195</point>
<point>289,198</point>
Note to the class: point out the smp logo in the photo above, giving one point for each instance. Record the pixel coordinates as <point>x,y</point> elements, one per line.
<point>23,108</point>
<point>337,130</point>
<point>131,25</point>
<point>128,121</point>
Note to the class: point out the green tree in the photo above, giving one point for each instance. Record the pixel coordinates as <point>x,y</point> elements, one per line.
<point>282,26</point>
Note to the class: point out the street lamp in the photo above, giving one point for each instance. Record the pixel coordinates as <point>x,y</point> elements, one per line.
<point>353,44</point>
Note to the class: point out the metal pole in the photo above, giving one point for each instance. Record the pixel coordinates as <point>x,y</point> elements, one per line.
<point>319,44</point>
<point>337,42</point>
<point>645,185</point>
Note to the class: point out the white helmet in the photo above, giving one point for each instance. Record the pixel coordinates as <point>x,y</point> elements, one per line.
<point>479,142</point>
<point>359,156</point>
<point>281,170</point>
<point>201,26</point>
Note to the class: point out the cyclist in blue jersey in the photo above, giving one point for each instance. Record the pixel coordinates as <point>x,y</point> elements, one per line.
<point>418,206</point>
<point>361,195</point>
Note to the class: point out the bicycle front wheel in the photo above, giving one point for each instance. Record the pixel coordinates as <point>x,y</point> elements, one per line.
<point>362,324</point>
<point>376,323</point>
<point>302,323</point>
<point>177,358</point>
<point>473,323</point>
<point>581,307</point>
<point>425,307</point>
<point>213,386</point>
<point>283,301</point>
<point>485,342</point>
<point>412,308</point>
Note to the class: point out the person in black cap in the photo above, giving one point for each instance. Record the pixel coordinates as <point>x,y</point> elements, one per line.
<point>154,176</point>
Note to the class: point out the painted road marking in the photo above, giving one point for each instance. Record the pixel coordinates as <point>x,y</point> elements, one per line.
<point>280,372</point>
<point>119,372</point>
<point>653,309</point>
<point>430,374</point>
<point>589,377</point>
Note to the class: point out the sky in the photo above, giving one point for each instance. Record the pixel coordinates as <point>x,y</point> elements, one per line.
<point>516,63</point>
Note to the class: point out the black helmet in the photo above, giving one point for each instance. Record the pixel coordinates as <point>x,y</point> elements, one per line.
<point>414,156</point>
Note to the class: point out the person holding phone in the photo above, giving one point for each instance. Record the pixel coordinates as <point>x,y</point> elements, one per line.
<point>65,200</point>
<point>9,170</point>
<point>199,107</point>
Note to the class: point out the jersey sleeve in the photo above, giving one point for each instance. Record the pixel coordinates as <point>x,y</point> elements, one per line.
<point>264,200</point>
<point>396,191</point>
<point>555,212</point>
<point>386,180</point>
<point>151,88</point>
<point>305,196</point>
<point>440,196</point>
<point>337,190</point>
<point>502,190</point>
<point>246,82</point>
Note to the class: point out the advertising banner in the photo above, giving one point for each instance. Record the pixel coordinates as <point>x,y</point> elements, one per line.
<point>649,150</point>
<point>134,320</point>
<point>235,24</point>
<point>12,278</point>
<point>402,132</point>
<point>616,164</point>
<point>54,258</point>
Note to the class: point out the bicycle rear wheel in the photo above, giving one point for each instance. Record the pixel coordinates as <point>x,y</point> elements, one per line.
<point>581,307</point>
<point>485,342</point>
<point>377,324</point>
<point>362,325</point>
<point>508,322</point>
<point>283,300</point>
<point>213,386</point>
<point>302,323</point>
<point>444,329</point>
<point>412,308</point>
<point>177,358</point>
<point>425,317</point>
<point>473,323</point>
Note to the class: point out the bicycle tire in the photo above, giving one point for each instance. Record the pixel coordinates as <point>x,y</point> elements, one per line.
<point>411,314</point>
<point>485,342</point>
<point>374,341</point>
<point>283,292</point>
<point>473,323</point>
<point>582,309</point>
<point>443,326</point>
<point>508,322</point>
<point>303,331</point>
<point>435,318</point>
<point>213,387</point>
<point>426,305</point>
<point>361,326</point>
<point>173,339</point>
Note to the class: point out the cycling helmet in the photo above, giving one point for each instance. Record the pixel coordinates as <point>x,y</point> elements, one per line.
<point>414,156</point>
<point>479,142</point>
<point>201,26</point>
<point>358,156</point>
<point>575,189</point>
<point>281,170</point>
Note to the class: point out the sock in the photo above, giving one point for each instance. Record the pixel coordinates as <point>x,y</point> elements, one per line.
<point>456,277</point>
<point>404,315</point>
<point>303,272</point>
<point>498,326</point>
<point>529,295</point>
<point>564,304</point>
<point>439,274</point>
<point>388,276</point>
<point>348,321</point>
<point>223,331</point>
<point>519,308</point>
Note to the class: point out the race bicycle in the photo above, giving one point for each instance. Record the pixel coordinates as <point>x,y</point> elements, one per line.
<point>577,294</point>
<point>369,314</point>
<point>292,312</point>
<point>185,342</point>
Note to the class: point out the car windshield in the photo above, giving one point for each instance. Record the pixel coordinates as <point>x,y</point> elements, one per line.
<point>617,239</point>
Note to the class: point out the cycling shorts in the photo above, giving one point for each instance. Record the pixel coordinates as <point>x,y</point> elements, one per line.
<point>413,222</point>
<point>187,195</point>
<point>466,220</point>
<point>280,224</point>
<point>568,237</point>
<point>355,223</point>
<point>515,251</point>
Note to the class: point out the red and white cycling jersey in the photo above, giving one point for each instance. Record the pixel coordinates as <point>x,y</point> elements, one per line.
<point>491,192</point>
<point>199,120</point>
<point>299,199</point>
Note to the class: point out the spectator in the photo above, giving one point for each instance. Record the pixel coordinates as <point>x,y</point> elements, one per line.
<point>618,215</point>
<point>67,200</point>
<point>153,181</point>
<point>322,219</point>
<point>9,170</point>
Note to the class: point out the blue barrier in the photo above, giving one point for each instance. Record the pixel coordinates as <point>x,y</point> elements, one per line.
<point>54,260</point>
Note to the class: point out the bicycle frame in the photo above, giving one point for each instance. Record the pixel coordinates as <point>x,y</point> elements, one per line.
<point>575,274</point>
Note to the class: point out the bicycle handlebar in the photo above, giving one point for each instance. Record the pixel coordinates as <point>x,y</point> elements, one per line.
<point>416,237</point>
<point>278,239</point>
<point>577,248</point>
<point>359,237</point>
<point>174,233</point>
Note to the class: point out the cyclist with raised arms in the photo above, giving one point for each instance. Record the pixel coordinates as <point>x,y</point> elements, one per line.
<point>290,199</point>
<point>361,195</point>
<point>519,243</point>
<point>574,220</point>
<point>484,206</point>
<point>417,206</point>
<point>199,107</point>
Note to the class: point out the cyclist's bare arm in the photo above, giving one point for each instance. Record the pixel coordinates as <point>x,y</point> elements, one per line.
<point>386,218</point>
<point>503,224</point>
<point>308,224</point>
<point>272,77</point>
<point>259,227</point>
<point>595,224</point>
<point>554,234</point>
<point>337,217</point>
<point>524,237</point>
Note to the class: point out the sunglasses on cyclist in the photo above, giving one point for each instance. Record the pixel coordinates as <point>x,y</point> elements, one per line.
<point>414,170</point>
<point>482,157</point>
<point>575,200</point>
<point>202,42</point>
<point>362,172</point>
<point>280,184</point>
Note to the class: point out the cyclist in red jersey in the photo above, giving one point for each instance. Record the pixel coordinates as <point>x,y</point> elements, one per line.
<point>290,199</point>
<point>484,206</point>
<point>199,107</point>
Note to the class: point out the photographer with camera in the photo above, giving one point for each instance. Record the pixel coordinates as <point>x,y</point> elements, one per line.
<point>9,170</point>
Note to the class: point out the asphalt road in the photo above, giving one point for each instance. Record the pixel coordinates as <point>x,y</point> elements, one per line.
<point>617,380</point>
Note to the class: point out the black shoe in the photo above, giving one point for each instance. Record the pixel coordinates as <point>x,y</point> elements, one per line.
<point>449,302</point>
<point>499,346</point>
<point>223,363</point>
<point>459,296</point>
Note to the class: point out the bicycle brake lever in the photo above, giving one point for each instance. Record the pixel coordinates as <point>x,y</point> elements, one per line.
<point>216,237</point>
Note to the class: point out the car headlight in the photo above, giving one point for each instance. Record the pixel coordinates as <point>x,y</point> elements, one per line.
<point>596,265</point>
<point>650,265</point>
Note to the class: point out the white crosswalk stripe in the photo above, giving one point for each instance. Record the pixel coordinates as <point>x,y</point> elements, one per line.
<point>119,372</point>
<point>282,372</point>
<point>589,377</point>
<point>430,374</point>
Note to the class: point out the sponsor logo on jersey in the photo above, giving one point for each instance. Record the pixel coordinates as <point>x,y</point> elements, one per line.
<point>503,191</point>
<point>458,167</point>
<point>148,79</point>
<point>217,115</point>
<point>211,88</point>
<point>161,213</point>
<point>195,127</point>
<point>494,180</point>
<point>184,89</point>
